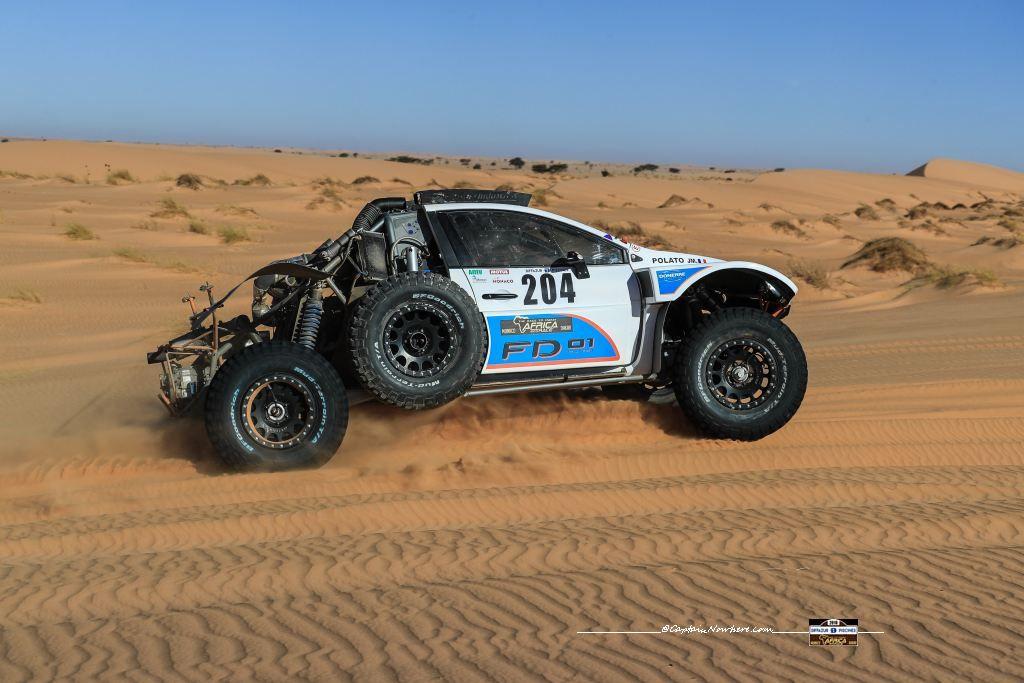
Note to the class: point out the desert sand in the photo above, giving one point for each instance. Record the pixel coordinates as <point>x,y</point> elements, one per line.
<point>475,541</point>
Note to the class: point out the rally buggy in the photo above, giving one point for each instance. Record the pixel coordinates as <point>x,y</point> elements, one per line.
<point>469,292</point>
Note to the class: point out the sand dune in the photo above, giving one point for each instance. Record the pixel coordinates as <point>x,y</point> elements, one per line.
<point>475,541</point>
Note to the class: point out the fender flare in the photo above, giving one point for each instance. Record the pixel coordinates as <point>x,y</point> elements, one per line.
<point>749,267</point>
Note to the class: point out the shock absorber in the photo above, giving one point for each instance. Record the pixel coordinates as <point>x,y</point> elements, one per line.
<point>309,320</point>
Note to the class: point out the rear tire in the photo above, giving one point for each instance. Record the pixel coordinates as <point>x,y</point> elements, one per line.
<point>740,374</point>
<point>416,340</point>
<point>276,406</point>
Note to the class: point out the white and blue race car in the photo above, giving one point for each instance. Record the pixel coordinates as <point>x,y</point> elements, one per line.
<point>469,292</point>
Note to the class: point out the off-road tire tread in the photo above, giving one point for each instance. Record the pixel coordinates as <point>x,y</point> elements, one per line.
<point>219,394</point>
<point>358,330</point>
<point>691,403</point>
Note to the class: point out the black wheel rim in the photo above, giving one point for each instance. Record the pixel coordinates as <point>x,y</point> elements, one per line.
<point>278,411</point>
<point>741,374</point>
<point>420,340</point>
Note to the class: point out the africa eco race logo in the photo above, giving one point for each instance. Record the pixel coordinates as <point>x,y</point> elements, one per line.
<point>524,325</point>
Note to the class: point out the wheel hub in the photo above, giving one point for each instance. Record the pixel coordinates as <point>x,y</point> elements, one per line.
<point>420,340</point>
<point>278,411</point>
<point>741,374</point>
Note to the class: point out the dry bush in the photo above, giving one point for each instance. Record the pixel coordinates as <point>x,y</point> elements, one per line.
<point>145,225</point>
<point>1010,242</point>
<point>464,185</point>
<point>789,228</point>
<point>363,179</point>
<point>866,212</point>
<point>406,159</point>
<point>811,272</point>
<point>28,296</point>
<point>168,207</point>
<point>236,210</point>
<point>947,277</point>
<point>919,211</point>
<point>258,180</point>
<point>198,227</point>
<point>887,254</point>
<point>77,231</point>
<point>231,235</point>
<point>67,178</point>
<point>401,182</point>
<point>122,175</point>
<point>887,204</point>
<point>1009,224</point>
<point>15,174</point>
<point>190,181</point>
<point>831,220</point>
<point>543,197</point>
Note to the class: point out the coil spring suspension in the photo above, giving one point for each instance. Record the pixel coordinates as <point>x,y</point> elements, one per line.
<point>309,322</point>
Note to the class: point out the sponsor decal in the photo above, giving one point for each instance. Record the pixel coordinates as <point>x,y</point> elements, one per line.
<point>547,340</point>
<point>501,281</point>
<point>828,632</point>
<point>678,259</point>
<point>476,271</point>
<point>498,271</point>
<point>670,280</point>
<point>522,324</point>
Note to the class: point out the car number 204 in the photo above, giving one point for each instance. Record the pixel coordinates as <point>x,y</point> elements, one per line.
<point>550,291</point>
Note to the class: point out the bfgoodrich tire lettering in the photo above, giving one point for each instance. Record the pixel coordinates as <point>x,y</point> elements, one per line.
<point>276,406</point>
<point>740,374</point>
<point>416,340</point>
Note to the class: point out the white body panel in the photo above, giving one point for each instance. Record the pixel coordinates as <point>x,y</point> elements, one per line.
<point>543,318</point>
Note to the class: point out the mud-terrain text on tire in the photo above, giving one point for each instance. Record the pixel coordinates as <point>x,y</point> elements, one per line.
<point>416,340</point>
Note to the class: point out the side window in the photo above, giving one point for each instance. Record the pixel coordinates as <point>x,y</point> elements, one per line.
<point>510,238</point>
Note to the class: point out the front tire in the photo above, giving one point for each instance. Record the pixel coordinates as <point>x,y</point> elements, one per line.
<point>276,406</point>
<point>740,374</point>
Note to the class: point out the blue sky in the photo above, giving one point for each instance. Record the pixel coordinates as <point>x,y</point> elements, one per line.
<point>879,86</point>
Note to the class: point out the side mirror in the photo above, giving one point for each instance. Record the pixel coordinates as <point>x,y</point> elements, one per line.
<point>577,265</point>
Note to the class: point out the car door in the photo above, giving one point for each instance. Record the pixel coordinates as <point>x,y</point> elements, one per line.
<point>541,315</point>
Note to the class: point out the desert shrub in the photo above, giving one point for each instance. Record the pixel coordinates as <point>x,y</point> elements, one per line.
<point>887,254</point>
<point>343,155</point>
<point>645,167</point>
<point>516,162</point>
<point>947,277</point>
<point>789,228</point>
<point>866,212</point>
<point>231,235</point>
<point>119,176</point>
<point>130,254</point>
<point>190,181</point>
<point>780,169</point>
<point>28,296</point>
<point>464,185</point>
<point>236,210</point>
<point>258,180</point>
<point>67,178</point>
<point>401,181</point>
<point>812,272</point>
<point>548,168</point>
<point>919,211</point>
<point>77,231</point>
<point>277,151</point>
<point>465,161</point>
<point>363,179</point>
<point>673,170</point>
<point>1009,224</point>
<point>605,173</point>
<point>477,167</point>
<point>198,227</point>
<point>633,232</point>
<point>406,159</point>
<point>168,207</point>
<point>886,204</point>
<point>5,140</point>
<point>145,225</point>
<point>831,220</point>
<point>729,170</point>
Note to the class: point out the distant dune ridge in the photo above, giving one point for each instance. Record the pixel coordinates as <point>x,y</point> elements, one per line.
<point>474,541</point>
